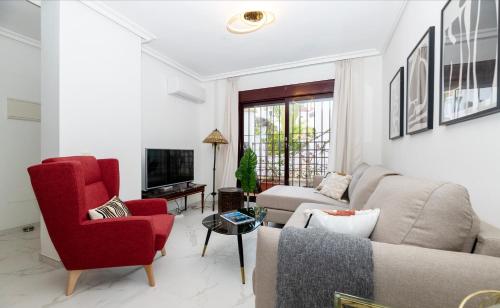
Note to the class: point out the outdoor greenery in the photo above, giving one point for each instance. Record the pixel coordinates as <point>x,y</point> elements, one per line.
<point>272,133</point>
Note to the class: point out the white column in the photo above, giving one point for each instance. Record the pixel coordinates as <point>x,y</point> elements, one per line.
<point>91,91</point>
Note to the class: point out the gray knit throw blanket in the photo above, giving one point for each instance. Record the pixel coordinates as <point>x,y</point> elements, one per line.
<point>313,264</point>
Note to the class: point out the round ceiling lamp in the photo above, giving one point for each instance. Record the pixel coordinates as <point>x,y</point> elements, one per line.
<point>249,21</point>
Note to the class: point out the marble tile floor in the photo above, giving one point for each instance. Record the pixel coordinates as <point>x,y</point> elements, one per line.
<point>183,277</point>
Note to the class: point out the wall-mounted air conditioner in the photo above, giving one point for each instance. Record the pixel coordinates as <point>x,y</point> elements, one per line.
<point>186,89</point>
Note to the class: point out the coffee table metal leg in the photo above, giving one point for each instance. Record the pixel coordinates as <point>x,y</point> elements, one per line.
<point>206,242</point>
<point>242,265</point>
<point>202,200</point>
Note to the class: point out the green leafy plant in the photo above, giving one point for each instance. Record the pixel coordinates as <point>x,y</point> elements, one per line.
<point>246,173</point>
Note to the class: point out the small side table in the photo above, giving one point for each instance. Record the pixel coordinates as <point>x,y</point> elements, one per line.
<point>219,225</point>
<point>178,191</point>
<point>230,198</point>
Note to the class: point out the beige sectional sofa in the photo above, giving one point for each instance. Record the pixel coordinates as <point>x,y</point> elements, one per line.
<point>429,247</point>
<point>281,201</point>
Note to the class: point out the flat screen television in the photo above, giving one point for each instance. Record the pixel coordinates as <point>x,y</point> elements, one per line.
<point>167,167</point>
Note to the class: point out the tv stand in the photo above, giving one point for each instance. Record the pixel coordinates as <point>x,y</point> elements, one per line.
<point>178,191</point>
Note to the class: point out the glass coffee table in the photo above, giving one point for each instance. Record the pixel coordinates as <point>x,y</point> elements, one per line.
<point>219,225</point>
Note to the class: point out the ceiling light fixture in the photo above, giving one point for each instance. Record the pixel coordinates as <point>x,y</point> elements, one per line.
<point>249,21</point>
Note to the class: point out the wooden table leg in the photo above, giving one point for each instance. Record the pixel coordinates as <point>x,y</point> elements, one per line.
<point>242,264</point>
<point>206,242</point>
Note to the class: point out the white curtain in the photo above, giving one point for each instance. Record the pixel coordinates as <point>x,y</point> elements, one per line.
<point>347,117</point>
<point>229,157</point>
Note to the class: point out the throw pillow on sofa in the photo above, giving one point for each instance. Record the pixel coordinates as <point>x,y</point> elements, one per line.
<point>360,224</point>
<point>111,209</point>
<point>335,185</point>
<point>320,186</point>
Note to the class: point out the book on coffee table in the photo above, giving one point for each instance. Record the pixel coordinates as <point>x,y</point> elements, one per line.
<point>236,217</point>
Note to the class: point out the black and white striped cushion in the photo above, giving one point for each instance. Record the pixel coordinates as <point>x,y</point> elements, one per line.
<point>111,209</point>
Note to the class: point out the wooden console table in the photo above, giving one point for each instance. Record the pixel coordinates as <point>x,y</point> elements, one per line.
<point>179,191</point>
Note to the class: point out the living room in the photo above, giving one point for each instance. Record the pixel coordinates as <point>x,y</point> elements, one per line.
<point>339,132</point>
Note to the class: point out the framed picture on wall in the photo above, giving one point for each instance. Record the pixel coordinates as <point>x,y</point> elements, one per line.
<point>396,105</point>
<point>420,85</point>
<point>469,60</point>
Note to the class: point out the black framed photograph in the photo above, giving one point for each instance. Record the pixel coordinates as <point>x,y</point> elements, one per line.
<point>469,60</point>
<point>420,85</point>
<point>396,105</point>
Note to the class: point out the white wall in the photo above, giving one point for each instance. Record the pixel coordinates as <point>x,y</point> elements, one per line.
<point>171,122</point>
<point>91,73</point>
<point>20,148</point>
<point>99,91</point>
<point>465,153</point>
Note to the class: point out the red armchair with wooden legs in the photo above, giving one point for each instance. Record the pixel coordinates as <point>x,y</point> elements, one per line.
<point>67,187</point>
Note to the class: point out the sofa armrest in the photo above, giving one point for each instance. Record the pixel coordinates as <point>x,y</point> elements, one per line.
<point>409,276</point>
<point>317,180</point>
<point>147,207</point>
<point>114,242</point>
<point>404,276</point>
<point>266,267</point>
<point>488,240</point>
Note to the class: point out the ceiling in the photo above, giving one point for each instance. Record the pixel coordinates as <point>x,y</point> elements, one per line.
<point>193,33</point>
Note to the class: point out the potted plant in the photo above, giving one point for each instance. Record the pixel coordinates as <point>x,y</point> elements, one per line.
<point>246,173</point>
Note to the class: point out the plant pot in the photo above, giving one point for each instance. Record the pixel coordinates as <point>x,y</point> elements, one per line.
<point>264,185</point>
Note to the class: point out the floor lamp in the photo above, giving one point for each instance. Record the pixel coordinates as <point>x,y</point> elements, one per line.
<point>215,138</point>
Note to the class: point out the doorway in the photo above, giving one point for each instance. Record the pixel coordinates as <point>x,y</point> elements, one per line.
<point>288,128</point>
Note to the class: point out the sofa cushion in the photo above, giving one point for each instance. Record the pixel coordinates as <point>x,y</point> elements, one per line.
<point>488,240</point>
<point>366,185</point>
<point>423,213</point>
<point>299,219</point>
<point>290,197</point>
<point>357,223</point>
<point>356,175</point>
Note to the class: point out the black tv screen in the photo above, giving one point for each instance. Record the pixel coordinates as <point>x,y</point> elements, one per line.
<point>167,167</point>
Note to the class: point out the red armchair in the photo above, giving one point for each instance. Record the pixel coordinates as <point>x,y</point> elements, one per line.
<point>67,187</point>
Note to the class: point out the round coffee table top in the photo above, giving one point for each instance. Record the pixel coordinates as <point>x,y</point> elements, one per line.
<point>217,224</point>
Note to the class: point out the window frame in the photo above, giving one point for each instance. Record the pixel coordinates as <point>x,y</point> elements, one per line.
<point>286,94</point>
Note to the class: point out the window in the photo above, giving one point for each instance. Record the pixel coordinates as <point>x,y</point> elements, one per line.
<point>289,130</point>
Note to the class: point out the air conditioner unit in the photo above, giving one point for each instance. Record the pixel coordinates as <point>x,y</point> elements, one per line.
<point>186,89</point>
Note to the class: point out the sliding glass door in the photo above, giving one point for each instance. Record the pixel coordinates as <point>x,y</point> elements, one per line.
<point>290,136</point>
<point>309,138</point>
<point>264,132</point>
